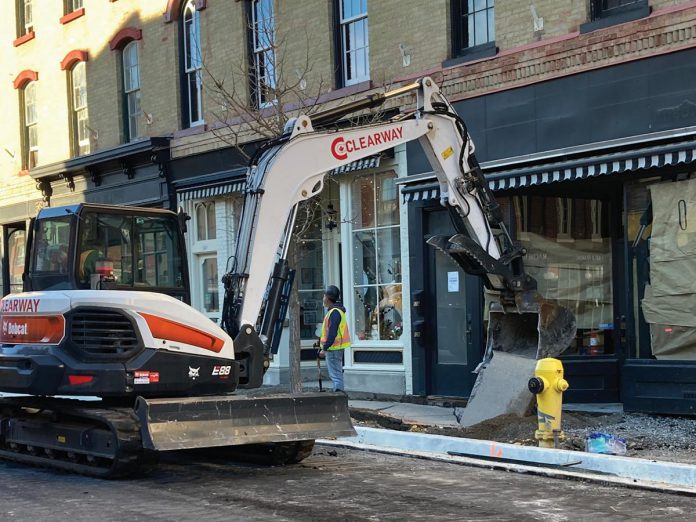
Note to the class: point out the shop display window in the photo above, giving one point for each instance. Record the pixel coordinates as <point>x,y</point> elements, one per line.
<point>569,253</point>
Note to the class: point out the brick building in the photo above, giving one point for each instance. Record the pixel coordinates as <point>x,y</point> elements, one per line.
<point>573,105</point>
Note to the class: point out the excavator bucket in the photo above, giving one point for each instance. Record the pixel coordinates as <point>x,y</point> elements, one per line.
<point>519,333</point>
<point>234,420</point>
<point>517,337</point>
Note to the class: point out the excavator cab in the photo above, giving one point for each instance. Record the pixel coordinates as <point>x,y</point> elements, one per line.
<point>90,246</point>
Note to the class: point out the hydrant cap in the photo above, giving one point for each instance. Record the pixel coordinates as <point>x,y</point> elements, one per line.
<point>535,385</point>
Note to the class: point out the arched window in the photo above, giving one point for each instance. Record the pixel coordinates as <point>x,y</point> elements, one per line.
<point>30,135</point>
<point>131,91</point>
<point>192,65</point>
<point>205,221</point>
<point>80,117</point>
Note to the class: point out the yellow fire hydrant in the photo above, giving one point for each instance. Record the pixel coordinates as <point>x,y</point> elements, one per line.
<point>548,385</point>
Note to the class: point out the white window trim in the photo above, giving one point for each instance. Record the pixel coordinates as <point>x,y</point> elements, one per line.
<point>349,281</point>
<point>28,22</point>
<point>74,5</point>
<point>199,261</point>
<point>80,113</point>
<point>130,90</point>
<point>195,60</point>
<point>28,125</point>
<point>343,23</point>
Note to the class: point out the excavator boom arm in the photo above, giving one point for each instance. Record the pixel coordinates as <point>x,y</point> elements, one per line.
<point>294,169</point>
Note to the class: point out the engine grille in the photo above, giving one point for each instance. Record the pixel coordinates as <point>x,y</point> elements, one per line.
<point>103,334</point>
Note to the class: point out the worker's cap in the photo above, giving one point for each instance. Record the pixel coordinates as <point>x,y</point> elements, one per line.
<point>333,293</point>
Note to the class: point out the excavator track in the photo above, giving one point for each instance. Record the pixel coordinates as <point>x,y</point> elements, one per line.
<point>65,435</point>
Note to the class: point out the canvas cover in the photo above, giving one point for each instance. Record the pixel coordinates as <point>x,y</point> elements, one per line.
<point>669,305</point>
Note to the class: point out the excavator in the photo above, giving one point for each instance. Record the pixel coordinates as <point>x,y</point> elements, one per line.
<point>105,309</point>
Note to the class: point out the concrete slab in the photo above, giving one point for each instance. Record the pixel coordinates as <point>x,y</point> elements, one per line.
<point>632,471</point>
<point>410,413</point>
<point>500,389</point>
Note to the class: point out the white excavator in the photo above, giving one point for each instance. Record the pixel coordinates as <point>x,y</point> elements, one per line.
<point>105,309</point>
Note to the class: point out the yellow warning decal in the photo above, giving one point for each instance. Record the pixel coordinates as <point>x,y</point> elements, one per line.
<point>447,153</point>
<point>61,439</point>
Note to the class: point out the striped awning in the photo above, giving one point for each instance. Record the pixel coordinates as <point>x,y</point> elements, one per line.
<point>371,162</point>
<point>211,190</point>
<point>211,185</point>
<point>656,156</point>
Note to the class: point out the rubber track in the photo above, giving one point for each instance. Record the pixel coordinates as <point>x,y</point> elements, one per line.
<point>129,458</point>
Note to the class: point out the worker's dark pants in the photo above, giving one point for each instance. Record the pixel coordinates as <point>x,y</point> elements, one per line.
<point>334,362</point>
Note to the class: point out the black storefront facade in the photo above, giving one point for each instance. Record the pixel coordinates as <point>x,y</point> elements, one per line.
<point>131,174</point>
<point>573,161</point>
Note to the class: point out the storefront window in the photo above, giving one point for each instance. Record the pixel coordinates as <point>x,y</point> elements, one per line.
<point>569,253</point>
<point>310,274</point>
<point>376,267</point>
<point>211,298</point>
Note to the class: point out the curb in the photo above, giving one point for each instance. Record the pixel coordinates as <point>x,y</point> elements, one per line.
<point>607,469</point>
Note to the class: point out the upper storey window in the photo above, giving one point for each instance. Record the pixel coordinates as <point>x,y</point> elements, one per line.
<point>30,135</point>
<point>73,5</point>
<point>264,73</point>
<point>80,116</point>
<point>473,29</point>
<point>25,17</point>
<point>355,46</point>
<point>131,90</point>
<point>605,13</point>
<point>192,66</point>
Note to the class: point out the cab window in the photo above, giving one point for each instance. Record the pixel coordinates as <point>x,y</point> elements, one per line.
<point>51,246</point>
<point>135,251</point>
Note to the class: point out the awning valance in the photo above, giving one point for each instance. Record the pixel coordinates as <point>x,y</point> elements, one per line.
<point>371,162</point>
<point>617,162</point>
<point>212,185</point>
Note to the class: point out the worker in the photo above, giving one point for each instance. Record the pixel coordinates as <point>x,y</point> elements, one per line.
<point>335,337</point>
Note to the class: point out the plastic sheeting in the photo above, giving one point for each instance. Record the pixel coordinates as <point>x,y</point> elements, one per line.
<point>669,304</point>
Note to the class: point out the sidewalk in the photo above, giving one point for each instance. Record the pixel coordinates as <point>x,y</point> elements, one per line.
<point>647,436</point>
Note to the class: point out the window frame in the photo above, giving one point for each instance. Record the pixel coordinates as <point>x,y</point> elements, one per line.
<point>458,19</point>
<point>191,65</point>
<point>81,147</point>
<point>600,17</point>
<point>70,6</point>
<point>209,225</point>
<point>27,126</point>
<point>342,26</point>
<point>259,50</point>
<point>131,91</point>
<point>23,29</point>
<point>350,231</point>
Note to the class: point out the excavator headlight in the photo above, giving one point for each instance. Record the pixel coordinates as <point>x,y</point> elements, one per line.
<point>32,329</point>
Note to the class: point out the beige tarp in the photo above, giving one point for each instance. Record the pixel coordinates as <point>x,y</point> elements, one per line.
<point>669,304</point>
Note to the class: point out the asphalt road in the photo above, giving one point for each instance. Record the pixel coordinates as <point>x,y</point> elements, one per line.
<point>331,485</point>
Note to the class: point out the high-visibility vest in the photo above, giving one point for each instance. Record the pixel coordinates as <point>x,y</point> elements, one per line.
<point>342,340</point>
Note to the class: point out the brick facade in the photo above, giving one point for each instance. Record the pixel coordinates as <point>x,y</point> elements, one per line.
<point>305,29</point>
